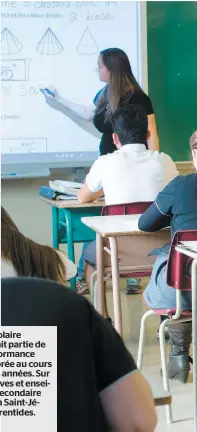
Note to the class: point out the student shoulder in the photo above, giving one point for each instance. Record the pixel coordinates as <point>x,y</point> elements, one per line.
<point>165,157</point>
<point>107,157</point>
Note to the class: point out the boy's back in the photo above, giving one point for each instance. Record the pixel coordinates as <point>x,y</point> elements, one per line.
<point>131,174</point>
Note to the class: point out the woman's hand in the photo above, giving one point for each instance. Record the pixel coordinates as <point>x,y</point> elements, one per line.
<point>52,94</point>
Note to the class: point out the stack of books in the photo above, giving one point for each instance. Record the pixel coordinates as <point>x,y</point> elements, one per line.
<point>60,190</point>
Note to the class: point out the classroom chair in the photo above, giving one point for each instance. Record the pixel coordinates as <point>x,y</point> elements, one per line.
<point>118,210</point>
<point>178,277</point>
<point>133,259</point>
<point>125,209</point>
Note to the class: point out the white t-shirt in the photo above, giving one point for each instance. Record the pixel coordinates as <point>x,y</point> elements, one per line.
<point>131,174</point>
<point>7,269</point>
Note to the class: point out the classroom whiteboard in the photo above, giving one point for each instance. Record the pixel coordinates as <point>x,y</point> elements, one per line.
<point>57,43</point>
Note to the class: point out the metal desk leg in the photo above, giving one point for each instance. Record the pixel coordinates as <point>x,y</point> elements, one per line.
<point>194,335</point>
<point>71,250</point>
<point>100,275</point>
<point>73,284</point>
<point>115,283</point>
<point>55,227</point>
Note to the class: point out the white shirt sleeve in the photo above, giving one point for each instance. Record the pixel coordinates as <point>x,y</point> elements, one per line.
<point>94,177</point>
<point>80,115</point>
<point>70,267</point>
<point>169,169</point>
<point>82,111</point>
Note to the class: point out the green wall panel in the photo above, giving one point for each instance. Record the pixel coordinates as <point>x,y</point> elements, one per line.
<point>172,73</point>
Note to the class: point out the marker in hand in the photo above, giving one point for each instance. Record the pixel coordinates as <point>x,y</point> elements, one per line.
<point>47,91</point>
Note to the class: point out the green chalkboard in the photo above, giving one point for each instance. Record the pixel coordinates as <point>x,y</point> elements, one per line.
<point>172,73</point>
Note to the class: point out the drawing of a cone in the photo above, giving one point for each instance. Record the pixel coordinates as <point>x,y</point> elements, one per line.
<point>87,44</point>
<point>49,44</point>
<point>9,43</point>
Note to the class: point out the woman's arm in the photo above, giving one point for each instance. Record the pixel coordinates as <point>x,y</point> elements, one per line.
<point>128,404</point>
<point>82,111</point>
<point>125,395</point>
<point>153,140</point>
<point>153,220</point>
<point>79,114</point>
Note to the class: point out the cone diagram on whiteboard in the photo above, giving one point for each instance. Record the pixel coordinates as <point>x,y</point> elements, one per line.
<point>9,43</point>
<point>49,44</point>
<point>87,44</point>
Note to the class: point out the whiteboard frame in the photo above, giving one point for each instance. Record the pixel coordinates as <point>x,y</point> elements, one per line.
<point>142,44</point>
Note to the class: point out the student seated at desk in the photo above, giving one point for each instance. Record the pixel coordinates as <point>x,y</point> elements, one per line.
<point>21,256</point>
<point>130,174</point>
<point>176,205</point>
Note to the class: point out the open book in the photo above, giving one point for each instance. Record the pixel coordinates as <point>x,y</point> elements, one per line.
<point>65,187</point>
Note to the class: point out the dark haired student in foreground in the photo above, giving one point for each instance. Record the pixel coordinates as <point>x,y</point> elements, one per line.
<point>99,386</point>
<point>21,256</point>
<point>176,206</point>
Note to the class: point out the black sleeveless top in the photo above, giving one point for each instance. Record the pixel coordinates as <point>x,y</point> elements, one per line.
<point>105,127</point>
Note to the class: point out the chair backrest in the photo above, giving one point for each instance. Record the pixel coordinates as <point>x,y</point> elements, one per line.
<point>179,264</point>
<point>125,209</point>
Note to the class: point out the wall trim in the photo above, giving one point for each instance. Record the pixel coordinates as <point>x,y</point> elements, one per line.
<point>185,167</point>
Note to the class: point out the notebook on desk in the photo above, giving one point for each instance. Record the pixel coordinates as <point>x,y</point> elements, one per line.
<point>47,192</point>
<point>65,187</point>
<point>65,197</point>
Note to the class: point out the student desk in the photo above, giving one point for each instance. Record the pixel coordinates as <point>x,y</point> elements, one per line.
<point>67,226</point>
<point>189,248</point>
<point>112,227</point>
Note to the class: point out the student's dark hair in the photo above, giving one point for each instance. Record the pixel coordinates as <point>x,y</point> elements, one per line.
<point>28,257</point>
<point>122,82</point>
<point>130,123</point>
<point>193,141</point>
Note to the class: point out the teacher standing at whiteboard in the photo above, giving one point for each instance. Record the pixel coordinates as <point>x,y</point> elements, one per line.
<point>121,89</point>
